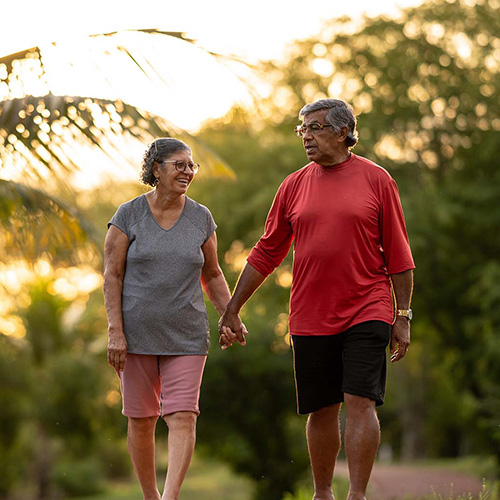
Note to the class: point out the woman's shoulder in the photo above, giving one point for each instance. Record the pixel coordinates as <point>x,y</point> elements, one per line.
<point>197,213</point>
<point>194,207</point>
<point>134,204</point>
<point>133,210</point>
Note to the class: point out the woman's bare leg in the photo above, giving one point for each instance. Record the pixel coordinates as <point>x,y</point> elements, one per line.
<point>141,447</point>
<point>181,441</point>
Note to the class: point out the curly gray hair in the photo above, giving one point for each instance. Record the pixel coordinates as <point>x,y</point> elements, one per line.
<point>159,150</point>
<point>339,115</point>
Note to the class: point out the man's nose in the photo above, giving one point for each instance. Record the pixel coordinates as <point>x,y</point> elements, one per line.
<point>306,133</point>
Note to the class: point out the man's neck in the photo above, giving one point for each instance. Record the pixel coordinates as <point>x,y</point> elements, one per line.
<point>337,159</point>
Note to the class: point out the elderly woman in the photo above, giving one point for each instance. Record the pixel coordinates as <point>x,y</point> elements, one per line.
<point>160,250</point>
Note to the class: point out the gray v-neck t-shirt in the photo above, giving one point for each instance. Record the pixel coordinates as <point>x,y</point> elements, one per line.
<point>162,300</point>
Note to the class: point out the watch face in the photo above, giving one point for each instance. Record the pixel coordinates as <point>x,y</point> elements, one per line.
<point>406,313</point>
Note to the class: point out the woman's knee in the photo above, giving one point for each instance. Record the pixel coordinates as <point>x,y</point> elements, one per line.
<point>181,420</point>
<point>143,425</point>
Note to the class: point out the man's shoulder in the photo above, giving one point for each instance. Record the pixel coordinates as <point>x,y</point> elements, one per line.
<point>299,174</point>
<point>374,170</point>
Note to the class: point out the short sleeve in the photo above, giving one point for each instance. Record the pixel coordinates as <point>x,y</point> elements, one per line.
<point>211,226</point>
<point>395,243</point>
<point>121,220</point>
<point>274,244</point>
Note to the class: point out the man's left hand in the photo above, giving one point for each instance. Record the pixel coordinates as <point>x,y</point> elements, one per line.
<point>400,338</point>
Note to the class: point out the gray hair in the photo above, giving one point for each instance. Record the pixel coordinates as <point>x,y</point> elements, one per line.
<point>159,150</point>
<point>340,115</point>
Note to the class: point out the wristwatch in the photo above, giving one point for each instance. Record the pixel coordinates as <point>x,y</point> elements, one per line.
<point>407,313</point>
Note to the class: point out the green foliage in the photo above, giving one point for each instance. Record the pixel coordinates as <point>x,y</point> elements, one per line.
<point>55,410</point>
<point>14,411</point>
<point>79,478</point>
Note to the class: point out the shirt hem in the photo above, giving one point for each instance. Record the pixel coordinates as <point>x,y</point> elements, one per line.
<point>169,353</point>
<point>338,332</point>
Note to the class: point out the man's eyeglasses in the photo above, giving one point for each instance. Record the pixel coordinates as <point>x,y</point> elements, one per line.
<point>181,166</point>
<point>312,128</point>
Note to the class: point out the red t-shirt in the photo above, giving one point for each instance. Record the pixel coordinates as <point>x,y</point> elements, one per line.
<point>350,235</point>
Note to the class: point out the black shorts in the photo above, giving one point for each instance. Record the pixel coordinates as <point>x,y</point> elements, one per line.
<point>327,366</point>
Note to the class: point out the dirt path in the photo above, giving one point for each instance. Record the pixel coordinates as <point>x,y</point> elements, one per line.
<point>391,482</point>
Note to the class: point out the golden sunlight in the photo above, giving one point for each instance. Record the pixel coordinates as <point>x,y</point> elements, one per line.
<point>236,256</point>
<point>71,283</point>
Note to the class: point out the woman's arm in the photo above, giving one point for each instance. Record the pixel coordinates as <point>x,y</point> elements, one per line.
<point>212,277</point>
<point>213,281</point>
<point>115,256</point>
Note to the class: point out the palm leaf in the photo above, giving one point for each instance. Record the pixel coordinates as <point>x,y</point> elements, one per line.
<point>44,138</point>
<point>34,224</point>
<point>49,137</point>
<point>41,135</point>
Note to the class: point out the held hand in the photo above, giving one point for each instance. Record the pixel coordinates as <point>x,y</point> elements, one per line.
<point>224,337</point>
<point>231,329</point>
<point>117,351</point>
<point>400,339</point>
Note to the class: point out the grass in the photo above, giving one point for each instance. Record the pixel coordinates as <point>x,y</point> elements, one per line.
<point>489,492</point>
<point>484,467</point>
<point>205,480</point>
<point>340,490</point>
<point>211,480</point>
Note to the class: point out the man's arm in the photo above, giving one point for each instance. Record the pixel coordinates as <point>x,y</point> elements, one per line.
<point>402,284</point>
<point>230,326</point>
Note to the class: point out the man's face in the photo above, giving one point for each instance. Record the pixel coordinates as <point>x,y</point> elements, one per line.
<point>323,146</point>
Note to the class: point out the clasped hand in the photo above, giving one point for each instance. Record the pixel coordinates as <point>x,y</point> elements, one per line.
<point>231,329</point>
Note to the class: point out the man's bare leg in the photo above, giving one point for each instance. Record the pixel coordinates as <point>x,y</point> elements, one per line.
<point>141,446</point>
<point>362,438</point>
<point>323,441</point>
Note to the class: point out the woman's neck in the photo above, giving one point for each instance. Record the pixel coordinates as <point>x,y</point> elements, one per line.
<point>165,201</point>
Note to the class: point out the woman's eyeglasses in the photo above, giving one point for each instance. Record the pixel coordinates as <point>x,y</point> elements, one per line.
<point>182,166</point>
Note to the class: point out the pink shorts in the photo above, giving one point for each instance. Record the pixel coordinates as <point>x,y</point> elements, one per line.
<point>159,385</point>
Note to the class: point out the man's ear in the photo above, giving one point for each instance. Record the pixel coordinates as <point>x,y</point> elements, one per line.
<point>342,134</point>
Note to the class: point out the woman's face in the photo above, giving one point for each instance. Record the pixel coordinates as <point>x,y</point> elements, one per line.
<point>170,178</point>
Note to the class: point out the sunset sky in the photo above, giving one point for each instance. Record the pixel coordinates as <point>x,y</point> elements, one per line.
<point>254,30</point>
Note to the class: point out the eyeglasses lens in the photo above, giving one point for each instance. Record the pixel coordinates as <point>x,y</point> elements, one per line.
<point>183,166</point>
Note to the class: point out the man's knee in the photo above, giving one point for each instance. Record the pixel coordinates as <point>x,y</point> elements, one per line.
<point>327,414</point>
<point>359,404</point>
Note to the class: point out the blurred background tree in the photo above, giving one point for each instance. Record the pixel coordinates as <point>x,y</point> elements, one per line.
<point>425,87</point>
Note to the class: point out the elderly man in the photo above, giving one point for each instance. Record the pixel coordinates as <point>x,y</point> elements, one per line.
<point>344,215</point>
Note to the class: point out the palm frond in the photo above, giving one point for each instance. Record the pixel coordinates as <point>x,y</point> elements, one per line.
<point>73,110</point>
<point>34,224</point>
<point>48,138</point>
<point>44,130</point>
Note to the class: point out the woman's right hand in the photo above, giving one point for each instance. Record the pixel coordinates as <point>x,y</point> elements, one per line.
<point>117,351</point>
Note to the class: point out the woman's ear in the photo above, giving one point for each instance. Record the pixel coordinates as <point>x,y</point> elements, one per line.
<point>156,169</point>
